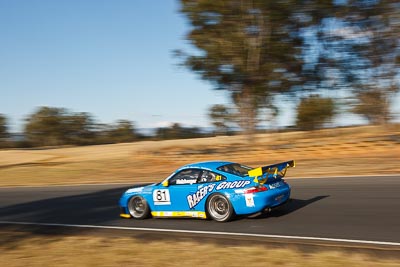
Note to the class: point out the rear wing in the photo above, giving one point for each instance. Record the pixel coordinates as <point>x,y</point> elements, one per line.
<point>276,171</point>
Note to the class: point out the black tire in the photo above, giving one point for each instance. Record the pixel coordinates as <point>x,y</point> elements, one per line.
<point>138,207</point>
<point>219,208</point>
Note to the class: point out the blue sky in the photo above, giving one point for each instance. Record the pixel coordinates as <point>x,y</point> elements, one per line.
<point>110,58</point>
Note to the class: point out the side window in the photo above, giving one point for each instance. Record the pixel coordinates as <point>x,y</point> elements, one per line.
<point>208,176</point>
<point>188,176</point>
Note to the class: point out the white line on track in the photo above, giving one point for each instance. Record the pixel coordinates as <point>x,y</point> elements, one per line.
<point>353,241</point>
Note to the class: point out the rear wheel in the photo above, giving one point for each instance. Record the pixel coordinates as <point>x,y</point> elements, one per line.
<point>138,207</point>
<point>219,208</point>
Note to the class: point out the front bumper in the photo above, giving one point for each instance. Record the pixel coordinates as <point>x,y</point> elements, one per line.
<point>123,213</point>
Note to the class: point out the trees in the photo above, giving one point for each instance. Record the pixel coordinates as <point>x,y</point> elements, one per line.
<point>314,111</point>
<point>356,47</point>
<point>122,131</point>
<point>378,23</point>
<point>46,127</point>
<point>177,131</point>
<point>249,48</point>
<point>3,131</point>
<point>79,128</point>
<point>221,118</point>
<point>257,49</point>
<point>373,105</point>
<point>49,126</point>
<point>3,127</point>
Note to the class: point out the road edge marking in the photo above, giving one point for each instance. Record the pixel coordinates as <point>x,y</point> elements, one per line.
<point>308,238</point>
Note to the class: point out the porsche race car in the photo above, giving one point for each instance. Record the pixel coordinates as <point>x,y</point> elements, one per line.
<point>215,189</point>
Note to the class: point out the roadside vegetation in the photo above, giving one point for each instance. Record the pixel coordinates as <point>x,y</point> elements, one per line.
<point>90,250</point>
<point>367,150</point>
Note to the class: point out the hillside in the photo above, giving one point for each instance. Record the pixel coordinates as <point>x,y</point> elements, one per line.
<point>367,150</point>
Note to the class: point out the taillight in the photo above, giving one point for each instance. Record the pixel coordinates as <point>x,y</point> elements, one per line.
<point>255,189</point>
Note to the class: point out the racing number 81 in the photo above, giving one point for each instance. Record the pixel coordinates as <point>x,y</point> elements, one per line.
<point>161,195</point>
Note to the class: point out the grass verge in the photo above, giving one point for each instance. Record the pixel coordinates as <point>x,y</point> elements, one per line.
<point>17,249</point>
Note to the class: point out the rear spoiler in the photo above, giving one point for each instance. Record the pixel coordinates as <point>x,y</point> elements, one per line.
<point>275,171</point>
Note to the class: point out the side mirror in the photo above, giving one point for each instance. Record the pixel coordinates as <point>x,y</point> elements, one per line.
<point>165,183</point>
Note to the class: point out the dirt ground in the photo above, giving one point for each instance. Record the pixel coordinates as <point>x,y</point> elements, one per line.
<point>366,150</point>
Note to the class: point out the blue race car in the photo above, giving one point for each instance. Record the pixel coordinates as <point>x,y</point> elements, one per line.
<point>215,189</point>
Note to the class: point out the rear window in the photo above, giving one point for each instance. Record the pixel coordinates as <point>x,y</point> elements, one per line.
<point>236,169</point>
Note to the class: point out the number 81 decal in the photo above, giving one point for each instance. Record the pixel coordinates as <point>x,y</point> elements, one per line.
<point>161,197</point>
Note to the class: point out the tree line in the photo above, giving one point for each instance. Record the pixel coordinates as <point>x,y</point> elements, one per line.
<point>312,113</point>
<point>52,126</point>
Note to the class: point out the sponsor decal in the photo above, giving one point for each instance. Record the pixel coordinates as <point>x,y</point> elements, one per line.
<point>185,181</point>
<point>232,185</point>
<point>275,185</point>
<point>195,198</point>
<point>249,200</point>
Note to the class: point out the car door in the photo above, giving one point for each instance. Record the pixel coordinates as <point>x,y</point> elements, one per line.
<point>173,196</point>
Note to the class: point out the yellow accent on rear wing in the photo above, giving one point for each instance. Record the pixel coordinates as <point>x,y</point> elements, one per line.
<point>255,172</point>
<point>276,171</point>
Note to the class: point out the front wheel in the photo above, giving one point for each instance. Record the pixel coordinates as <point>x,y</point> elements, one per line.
<point>138,207</point>
<point>219,208</point>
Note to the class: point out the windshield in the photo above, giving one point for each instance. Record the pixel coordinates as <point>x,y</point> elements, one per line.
<point>236,169</point>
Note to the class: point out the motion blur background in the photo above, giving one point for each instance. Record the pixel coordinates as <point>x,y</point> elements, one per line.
<point>253,81</point>
<point>96,72</point>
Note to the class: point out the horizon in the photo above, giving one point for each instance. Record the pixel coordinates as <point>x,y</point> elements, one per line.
<point>110,60</point>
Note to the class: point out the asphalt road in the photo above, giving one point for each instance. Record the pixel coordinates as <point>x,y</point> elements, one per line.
<point>362,208</point>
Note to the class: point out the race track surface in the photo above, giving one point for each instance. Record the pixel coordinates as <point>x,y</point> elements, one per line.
<point>362,208</point>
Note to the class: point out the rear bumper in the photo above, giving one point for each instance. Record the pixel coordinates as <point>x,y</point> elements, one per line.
<point>263,201</point>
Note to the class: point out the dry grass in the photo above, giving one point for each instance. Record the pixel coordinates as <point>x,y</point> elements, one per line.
<point>37,250</point>
<point>362,150</point>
